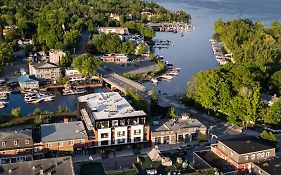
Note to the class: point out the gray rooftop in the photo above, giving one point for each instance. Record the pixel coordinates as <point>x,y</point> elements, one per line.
<point>63,131</point>
<point>109,105</point>
<point>175,124</point>
<point>60,166</point>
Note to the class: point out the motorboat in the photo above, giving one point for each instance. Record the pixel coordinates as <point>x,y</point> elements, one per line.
<point>167,77</point>
<point>154,80</point>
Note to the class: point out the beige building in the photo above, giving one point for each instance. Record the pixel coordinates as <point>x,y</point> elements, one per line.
<point>45,72</point>
<point>55,56</point>
<point>117,30</point>
<point>182,130</point>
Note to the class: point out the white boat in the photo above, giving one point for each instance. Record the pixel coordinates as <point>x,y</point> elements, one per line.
<point>173,73</point>
<point>154,80</point>
<point>80,91</point>
<point>167,77</point>
<point>4,102</point>
<point>2,106</point>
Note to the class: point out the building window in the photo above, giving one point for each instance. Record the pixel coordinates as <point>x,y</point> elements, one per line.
<point>267,154</point>
<point>104,142</point>
<point>48,145</point>
<point>246,157</point>
<point>243,167</point>
<point>15,142</point>
<point>71,142</point>
<point>137,132</point>
<point>4,152</point>
<point>26,141</point>
<point>137,139</point>
<point>3,144</point>
<point>157,140</point>
<point>119,141</point>
<point>166,139</point>
<point>115,123</point>
<point>262,154</point>
<point>104,135</point>
<point>253,156</point>
<point>82,141</point>
<point>60,144</point>
<point>120,133</point>
<point>17,151</point>
<point>180,139</point>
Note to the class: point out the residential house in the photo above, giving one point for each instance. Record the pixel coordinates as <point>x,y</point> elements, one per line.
<point>55,56</point>
<point>58,165</point>
<point>17,146</point>
<point>70,136</point>
<point>111,121</point>
<point>28,82</point>
<point>181,130</point>
<point>239,152</point>
<point>148,15</point>
<point>117,30</point>
<point>24,42</point>
<point>45,72</point>
<point>116,58</point>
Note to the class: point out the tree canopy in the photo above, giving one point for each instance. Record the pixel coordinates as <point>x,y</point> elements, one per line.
<point>87,65</point>
<point>250,41</point>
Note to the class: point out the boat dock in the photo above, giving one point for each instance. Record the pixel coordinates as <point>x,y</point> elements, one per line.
<point>171,26</point>
<point>217,50</point>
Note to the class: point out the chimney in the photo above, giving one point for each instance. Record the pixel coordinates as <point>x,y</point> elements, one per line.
<point>41,172</point>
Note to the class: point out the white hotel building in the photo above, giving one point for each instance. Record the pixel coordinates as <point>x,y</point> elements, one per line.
<point>111,121</point>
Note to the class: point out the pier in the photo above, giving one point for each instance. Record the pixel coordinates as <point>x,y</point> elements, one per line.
<point>170,26</point>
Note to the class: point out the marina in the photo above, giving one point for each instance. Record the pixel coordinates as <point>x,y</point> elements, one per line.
<point>217,50</point>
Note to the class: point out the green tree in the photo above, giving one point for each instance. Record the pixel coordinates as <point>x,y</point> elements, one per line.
<point>273,115</point>
<point>153,102</point>
<point>141,49</point>
<point>268,136</point>
<point>172,114</point>
<point>16,112</point>
<point>66,61</point>
<point>138,101</point>
<point>37,111</point>
<point>87,65</point>
<point>275,82</point>
<point>202,137</point>
<point>60,109</point>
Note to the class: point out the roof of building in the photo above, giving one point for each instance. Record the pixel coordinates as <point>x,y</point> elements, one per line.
<point>215,161</point>
<point>60,165</point>
<point>44,65</point>
<point>20,136</point>
<point>63,131</point>
<point>272,167</point>
<point>174,125</point>
<point>245,144</point>
<point>109,105</point>
<point>26,79</point>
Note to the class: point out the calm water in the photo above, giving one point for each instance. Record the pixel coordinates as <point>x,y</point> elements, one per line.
<point>16,100</point>
<point>192,52</point>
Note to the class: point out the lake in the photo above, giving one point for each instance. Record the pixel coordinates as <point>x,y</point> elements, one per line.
<point>192,52</point>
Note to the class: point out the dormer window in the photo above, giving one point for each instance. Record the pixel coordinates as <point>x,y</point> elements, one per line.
<point>26,141</point>
<point>3,144</point>
<point>253,156</point>
<point>267,154</point>
<point>15,142</point>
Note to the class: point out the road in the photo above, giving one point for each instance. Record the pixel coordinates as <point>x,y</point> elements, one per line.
<point>84,38</point>
<point>120,81</point>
